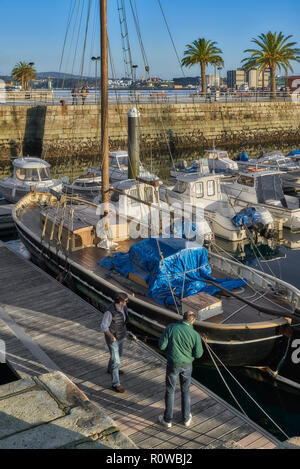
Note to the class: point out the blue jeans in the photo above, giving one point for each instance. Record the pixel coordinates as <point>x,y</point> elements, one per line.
<point>185,375</point>
<point>115,351</point>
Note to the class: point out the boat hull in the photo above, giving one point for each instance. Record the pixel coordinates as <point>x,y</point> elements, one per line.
<point>239,345</point>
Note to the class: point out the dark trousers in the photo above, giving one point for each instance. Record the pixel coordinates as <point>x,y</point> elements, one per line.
<point>185,375</point>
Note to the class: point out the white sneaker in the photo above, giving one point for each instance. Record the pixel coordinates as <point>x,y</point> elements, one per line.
<point>188,422</point>
<point>163,422</point>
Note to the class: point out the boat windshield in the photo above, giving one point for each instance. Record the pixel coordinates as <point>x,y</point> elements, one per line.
<point>123,160</point>
<point>118,161</point>
<point>33,174</point>
<point>284,162</point>
<point>149,194</point>
<point>180,187</point>
<point>44,174</point>
<point>222,155</point>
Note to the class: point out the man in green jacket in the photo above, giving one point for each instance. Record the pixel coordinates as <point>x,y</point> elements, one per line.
<point>182,344</point>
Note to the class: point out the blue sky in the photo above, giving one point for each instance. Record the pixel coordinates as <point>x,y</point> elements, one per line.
<point>34,31</point>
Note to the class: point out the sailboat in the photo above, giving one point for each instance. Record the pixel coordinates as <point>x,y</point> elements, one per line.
<point>240,311</point>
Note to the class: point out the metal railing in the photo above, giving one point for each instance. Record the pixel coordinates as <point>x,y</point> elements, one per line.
<point>64,97</point>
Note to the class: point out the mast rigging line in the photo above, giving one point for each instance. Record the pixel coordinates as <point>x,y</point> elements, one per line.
<point>125,39</point>
<point>67,32</point>
<point>138,30</point>
<point>173,43</point>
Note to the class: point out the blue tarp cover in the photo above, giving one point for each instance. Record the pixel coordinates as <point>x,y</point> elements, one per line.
<point>169,263</point>
<point>243,156</point>
<point>293,153</point>
<point>247,217</point>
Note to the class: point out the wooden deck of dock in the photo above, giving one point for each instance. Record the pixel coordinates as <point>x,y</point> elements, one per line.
<point>47,327</point>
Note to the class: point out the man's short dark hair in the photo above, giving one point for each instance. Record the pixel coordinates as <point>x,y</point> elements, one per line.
<point>189,316</point>
<point>120,297</point>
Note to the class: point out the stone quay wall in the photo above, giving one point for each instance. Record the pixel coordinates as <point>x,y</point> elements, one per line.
<point>61,131</point>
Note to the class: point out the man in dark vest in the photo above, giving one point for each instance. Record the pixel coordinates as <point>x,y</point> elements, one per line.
<point>114,327</point>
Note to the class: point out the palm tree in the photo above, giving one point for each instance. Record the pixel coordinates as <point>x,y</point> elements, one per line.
<point>203,52</point>
<point>24,72</point>
<point>274,52</point>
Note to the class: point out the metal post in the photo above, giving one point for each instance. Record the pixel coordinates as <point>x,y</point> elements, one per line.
<point>104,106</point>
<point>133,143</point>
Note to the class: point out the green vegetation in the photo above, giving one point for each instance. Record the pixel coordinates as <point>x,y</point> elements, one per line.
<point>275,53</point>
<point>203,52</point>
<point>22,73</point>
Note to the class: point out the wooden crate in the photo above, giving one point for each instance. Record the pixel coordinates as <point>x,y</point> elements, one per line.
<point>203,305</point>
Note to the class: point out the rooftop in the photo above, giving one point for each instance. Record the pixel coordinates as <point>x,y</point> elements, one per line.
<point>30,162</point>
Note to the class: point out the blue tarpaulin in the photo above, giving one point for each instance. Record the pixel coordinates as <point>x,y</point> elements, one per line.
<point>293,153</point>
<point>247,217</point>
<point>243,156</point>
<point>167,264</point>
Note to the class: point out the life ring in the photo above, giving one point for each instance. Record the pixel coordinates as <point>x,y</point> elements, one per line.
<point>255,169</point>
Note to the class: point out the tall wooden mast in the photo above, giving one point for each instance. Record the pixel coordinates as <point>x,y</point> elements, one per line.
<point>104,106</point>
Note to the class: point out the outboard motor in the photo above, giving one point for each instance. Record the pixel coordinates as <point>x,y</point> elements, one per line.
<point>182,165</point>
<point>256,219</point>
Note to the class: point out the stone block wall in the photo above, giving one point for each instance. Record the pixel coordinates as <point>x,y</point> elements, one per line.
<point>61,131</point>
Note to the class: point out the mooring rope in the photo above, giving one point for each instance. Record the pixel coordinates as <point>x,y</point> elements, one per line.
<point>211,352</point>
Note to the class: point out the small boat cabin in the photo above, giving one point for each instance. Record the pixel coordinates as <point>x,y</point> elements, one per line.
<point>31,170</point>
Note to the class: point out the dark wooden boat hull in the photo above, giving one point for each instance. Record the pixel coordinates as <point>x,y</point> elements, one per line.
<point>235,345</point>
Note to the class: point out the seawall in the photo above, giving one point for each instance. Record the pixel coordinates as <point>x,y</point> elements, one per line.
<point>64,131</point>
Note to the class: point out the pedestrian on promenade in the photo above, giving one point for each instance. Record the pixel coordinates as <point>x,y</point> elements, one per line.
<point>84,93</point>
<point>114,327</point>
<point>182,344</point>
<point>75,93</point>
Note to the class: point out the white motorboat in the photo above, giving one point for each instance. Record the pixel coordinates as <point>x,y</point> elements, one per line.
<point>261,188</point>
<point>28,174</point>
<point>220,162</point>
<point>217,161</point>
<point>203,192</point>
<point>148,216</point>
<point>118,168</point>
<point>275,160</point>
<point>199,166</point>
<point>271,160</point>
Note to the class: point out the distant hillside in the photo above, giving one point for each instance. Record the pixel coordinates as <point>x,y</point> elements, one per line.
<point>60,75</point>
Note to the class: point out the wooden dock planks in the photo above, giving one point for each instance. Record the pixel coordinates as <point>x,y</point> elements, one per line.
<point>46,326</point>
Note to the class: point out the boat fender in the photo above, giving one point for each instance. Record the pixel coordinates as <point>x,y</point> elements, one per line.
<point>243,156</point>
